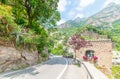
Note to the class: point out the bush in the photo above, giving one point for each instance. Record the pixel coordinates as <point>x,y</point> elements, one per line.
<point>116,72</point>
<point>7,24</point>
<point>58,50</point>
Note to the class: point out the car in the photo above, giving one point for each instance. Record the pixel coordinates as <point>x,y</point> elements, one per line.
<point>68,55</point>
<point>116,60</point>
<point>51,56</point>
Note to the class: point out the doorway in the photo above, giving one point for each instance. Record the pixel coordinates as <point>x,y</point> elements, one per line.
<point>89,54</point>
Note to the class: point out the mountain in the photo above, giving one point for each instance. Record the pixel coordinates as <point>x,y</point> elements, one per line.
<point>103,19</point>
<point>77,22</point>
<point>106,17</point>
<point>106,22</point>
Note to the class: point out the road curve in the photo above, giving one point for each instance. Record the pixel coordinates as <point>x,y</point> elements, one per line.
<point>51,69</point>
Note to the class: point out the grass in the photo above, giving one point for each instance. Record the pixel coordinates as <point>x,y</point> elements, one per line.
<point>109,75</point>
<point>116,72</point>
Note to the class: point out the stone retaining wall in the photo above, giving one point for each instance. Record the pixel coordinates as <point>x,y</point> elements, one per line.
<point>11,58</point>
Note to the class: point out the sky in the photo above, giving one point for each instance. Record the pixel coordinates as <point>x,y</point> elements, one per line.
<point>71,9</point>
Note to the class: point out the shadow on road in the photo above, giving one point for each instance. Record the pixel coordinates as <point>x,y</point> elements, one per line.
<point>33,70</point>
<point>26,71</point>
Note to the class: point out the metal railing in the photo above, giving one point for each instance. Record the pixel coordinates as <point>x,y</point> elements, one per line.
<point>89,76</point>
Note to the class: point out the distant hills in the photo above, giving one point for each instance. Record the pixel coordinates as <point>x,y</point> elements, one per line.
<point>73,23</point>
<point>105,19</point>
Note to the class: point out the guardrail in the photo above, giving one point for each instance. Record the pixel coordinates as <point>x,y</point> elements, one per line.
<point>89,76</point>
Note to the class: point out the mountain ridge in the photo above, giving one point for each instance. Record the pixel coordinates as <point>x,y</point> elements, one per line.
<point>102,19</point>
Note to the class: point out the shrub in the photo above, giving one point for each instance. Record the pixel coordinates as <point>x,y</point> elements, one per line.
<point>116,72</point>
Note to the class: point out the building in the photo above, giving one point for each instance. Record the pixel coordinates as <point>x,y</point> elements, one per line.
<point>101,48</point>
<point>116,57</point>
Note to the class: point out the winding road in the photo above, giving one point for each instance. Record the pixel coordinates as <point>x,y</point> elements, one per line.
<point>51,69</point>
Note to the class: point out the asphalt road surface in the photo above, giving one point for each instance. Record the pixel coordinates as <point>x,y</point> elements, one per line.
<point>51,69</point>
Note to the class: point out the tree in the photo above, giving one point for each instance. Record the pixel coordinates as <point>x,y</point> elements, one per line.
<point>36,15</point>
<point>29,12</point>
<point>77,42</point>
<point>7,24</point>
<point>32,16</point>
<point>4,1</point>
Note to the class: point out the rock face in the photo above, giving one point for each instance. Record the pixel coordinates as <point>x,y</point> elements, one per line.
<point>106,16</point>
<point>11,58</point>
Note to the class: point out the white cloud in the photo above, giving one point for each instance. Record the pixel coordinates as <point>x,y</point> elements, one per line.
<point>84,3</point>
<point>60,22</point>
<point>110,1</point>
<point>71,9</point>
<point>62,5</point>
<point>79,8</point>
<point>71,13</point>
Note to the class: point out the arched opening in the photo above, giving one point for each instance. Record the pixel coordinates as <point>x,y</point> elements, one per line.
<point>89,54</point>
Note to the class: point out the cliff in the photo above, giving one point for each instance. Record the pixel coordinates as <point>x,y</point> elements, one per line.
<point>11,58</point>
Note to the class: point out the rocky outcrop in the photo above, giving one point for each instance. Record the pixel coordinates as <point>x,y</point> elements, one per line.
<point>106,16</point>
<point>11,58</point>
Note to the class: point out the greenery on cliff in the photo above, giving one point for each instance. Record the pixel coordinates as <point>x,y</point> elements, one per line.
<point>23,22</point>
<point>7,24</point>
<point>115,34</point>
<point>116,72</point>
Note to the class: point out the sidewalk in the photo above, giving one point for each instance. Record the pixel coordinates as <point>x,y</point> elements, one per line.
<point>75,72</point>
<point>96,74</point>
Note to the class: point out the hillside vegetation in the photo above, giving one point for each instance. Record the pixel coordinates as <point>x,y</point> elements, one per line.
<point>22,23</point>
<point>7,25</point>
<point>105,22</point>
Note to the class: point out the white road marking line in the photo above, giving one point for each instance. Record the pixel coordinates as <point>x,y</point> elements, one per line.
<point>63,70</point>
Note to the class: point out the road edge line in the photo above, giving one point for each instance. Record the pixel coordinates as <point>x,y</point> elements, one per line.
<point>63,70</point>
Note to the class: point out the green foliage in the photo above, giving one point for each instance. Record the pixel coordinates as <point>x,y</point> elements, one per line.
<point>44,55</point>
<point>4,1</point>
<point>58,50</point>
<point>92,28</point>
<point>7,25</point>
<point>115,35</point>
<point>116,23</point>
<point>31,11</point>
<point>118,46</point>
<point>67,32</point>
<point>53,38</point>
<point>34,15</point>
<point>116,72</point>
<point>19,35</point>
<point>31,16</point>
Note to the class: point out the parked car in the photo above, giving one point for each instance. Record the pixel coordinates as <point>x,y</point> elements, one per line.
<point>68,55</point>
<point>51,56</point>
<point>116,60</point>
